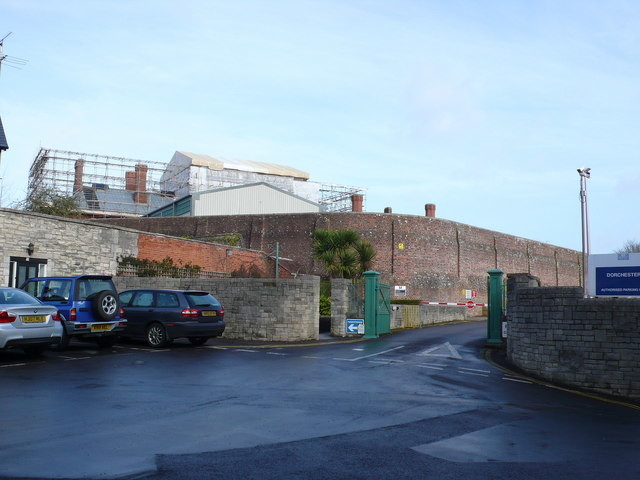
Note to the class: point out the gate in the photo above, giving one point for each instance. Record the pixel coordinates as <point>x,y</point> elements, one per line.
<point>377,306</point>
<point>383,309</point>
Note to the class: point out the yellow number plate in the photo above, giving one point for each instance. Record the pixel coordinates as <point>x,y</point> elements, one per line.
<point>209,313</point>
<point>34,319</point>
<point>104,327</point>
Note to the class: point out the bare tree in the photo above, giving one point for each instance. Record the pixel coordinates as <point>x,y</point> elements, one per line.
<point>630,246</point>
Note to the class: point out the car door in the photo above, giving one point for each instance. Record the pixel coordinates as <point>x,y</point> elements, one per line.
<point>57,292</point>
<point>138,311</point>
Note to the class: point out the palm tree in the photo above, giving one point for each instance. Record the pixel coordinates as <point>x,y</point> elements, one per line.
<point>342,252</point>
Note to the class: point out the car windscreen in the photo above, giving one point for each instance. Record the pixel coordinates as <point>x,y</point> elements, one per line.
<point>17,297</point>
<point>201,299</point>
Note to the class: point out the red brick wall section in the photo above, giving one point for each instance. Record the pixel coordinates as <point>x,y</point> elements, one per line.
<point>213,257</point>
<point>435,258</point>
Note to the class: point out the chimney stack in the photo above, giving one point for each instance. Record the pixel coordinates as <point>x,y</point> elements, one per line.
<point>430,210</point>
<point>388,210</point>
<point>78,177</point>
<point>357,202</point>
<point>140,175</point>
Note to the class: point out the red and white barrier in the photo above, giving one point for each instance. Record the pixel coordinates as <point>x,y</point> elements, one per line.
<point>469,304</point>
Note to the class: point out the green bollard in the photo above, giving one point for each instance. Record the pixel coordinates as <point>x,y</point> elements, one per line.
<point>370,304</point>
<point>494,322</point>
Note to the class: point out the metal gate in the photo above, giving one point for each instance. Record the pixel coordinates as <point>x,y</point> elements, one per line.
<point>383,309</point>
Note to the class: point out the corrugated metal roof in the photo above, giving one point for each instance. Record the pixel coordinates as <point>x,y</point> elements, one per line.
<point>118,201</point>
<point>3,139</point>
<point>218,163</point>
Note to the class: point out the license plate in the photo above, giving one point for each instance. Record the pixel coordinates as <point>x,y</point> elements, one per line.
<point>34,319</point>
<point>209,313</point>
<point>104,327</point>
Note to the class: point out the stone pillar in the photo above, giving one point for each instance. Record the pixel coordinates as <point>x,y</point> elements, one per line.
<point>339,306</point>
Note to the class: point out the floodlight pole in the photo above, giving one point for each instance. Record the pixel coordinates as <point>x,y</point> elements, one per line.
<point>585,173</point>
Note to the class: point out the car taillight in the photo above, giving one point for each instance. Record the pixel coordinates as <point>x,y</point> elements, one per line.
<point>122,313</point>
<point>56,317</point>
<point>6,317</point>
<point>221,311</point>
<point>73,316</point>
<point>190,312</point>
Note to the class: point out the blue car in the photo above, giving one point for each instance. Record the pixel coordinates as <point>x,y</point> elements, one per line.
<point>88,303</point>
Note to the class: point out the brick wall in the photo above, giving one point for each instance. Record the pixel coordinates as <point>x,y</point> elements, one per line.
<point>255,309</point>
<point>214,257</point>
<point>435,258</point>
<point>589,343</point>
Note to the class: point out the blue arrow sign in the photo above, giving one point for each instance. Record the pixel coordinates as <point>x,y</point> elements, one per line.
<point>355,325</point>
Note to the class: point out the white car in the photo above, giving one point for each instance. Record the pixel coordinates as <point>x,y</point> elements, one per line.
<point>27,323</point>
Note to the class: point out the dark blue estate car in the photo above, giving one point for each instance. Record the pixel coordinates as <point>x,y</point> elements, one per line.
<point>88,303</point>
<point>160,316</point>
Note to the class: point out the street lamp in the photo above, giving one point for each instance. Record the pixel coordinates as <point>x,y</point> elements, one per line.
<point>585,173</point>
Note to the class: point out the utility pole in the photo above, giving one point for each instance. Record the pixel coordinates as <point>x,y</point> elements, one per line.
<point>585,173</point>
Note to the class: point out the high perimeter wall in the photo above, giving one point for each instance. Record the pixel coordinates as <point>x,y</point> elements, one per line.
<point>434,258</point>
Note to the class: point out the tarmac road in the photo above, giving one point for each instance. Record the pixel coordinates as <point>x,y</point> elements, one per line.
<point>420,404</point>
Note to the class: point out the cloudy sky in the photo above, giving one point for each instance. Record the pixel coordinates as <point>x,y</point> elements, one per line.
<point>485,108</point>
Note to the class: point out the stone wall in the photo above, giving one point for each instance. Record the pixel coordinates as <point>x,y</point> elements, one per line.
<point>436,259</point>
<point>74,247</point>
<point>588,343</point>
<point>255,309</point>
<point>71,247</point>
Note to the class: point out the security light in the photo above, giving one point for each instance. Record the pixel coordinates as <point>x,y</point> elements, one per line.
<point>584,172</point>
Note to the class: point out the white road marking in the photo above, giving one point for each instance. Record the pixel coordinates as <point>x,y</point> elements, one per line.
<point>245,350</point>
<point>474,370</point>
<point>368,356</point>
<point>277,353</point>
<point>430,366</point>
<point>474,373</point>
<point>453,353</point>
<point>13,365</point>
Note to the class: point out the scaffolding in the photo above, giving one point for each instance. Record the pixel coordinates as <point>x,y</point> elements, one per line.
<point>110,186</point>
<point>338,198</point>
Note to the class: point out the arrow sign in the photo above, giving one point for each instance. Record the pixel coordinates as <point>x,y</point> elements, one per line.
<point>355,325</point>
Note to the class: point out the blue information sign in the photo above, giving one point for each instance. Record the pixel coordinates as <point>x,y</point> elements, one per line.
<point>618,281</point>
<point>355,325</point>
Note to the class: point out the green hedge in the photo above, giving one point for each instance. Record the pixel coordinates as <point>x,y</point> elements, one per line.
<point>405,301</point>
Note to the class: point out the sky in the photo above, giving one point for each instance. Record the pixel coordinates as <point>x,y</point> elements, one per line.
<point>484,108</point>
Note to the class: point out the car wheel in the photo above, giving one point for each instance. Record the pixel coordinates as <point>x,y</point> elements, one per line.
<point>197,341</point>
<point>156,335</point>
<point>106,342</point>
<point>105,305</point>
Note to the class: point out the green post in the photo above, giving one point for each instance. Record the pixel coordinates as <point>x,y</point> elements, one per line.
<point>370,304</point>
<point>494,322</point>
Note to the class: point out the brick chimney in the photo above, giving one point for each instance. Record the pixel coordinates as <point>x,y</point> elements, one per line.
<point>357,201</point>
<point>140,177</point>
<point>430,210</point>
<point>78,176</point>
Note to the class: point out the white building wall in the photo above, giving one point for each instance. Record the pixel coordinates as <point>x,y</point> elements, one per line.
<point>257,199</point>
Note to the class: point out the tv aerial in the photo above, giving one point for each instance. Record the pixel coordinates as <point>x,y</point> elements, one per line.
<point>8,60</point>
